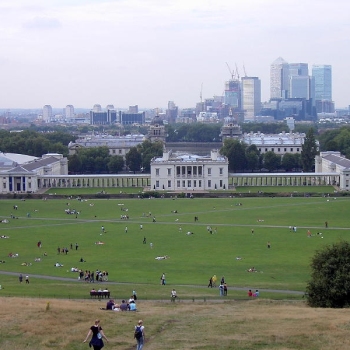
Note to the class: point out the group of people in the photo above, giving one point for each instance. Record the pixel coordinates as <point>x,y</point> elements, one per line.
<point>129,305</point>
<point>253,294</point>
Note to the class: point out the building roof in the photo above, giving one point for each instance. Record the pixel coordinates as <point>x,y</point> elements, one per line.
<point>339,160</point>
<point>108,141</point>
<point>283,139</point>
<point>40,163</point>
<point>16,158</point>
<point>186,157</point>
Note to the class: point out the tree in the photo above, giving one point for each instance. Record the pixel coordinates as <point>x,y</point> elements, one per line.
<point>271,161</point>
<point>115,164</point>
<point>133,159</point>
<point>290,161</point>
<point>234,150</point>
<point>74,163</point>
<point>149,150</point>
<point>309,151</point>
<point>330,278</point>
<point>252,157</point>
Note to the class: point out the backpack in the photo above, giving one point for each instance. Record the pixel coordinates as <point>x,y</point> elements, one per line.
<point>138,332</point>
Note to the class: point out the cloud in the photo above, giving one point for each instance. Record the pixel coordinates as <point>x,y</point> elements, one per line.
<point>41,23</point>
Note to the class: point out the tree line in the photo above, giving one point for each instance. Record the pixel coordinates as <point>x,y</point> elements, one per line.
<point>243,157</point>
<point>97,160</point>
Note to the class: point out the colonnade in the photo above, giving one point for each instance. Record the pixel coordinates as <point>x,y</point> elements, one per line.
<point>102,181</point>
<point>144,180</point>
<point>284,179</point>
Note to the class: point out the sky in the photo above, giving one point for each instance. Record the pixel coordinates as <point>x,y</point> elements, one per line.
<point>149,52</point>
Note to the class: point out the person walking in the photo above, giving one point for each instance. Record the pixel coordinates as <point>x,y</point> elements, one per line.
<point>27,279</point>
<point>20,278</point>
<point>97,336</point>
<point>162,279</point>
<point>139,335</point>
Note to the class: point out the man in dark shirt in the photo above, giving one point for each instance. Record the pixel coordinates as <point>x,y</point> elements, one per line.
<point>110,305</point>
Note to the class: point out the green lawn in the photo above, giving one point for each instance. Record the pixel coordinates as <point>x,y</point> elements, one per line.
<point>193,258</point>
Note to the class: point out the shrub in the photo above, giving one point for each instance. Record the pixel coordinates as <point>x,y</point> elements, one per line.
<point>330,278</point>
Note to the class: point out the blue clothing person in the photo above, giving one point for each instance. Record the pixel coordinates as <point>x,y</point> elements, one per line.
<point>140,337</point>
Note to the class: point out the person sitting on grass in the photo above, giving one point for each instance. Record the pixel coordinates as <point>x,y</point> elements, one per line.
<point>252,269</point>
<point>132,306</point>
<point>123,306</point>
<point>110,304</point>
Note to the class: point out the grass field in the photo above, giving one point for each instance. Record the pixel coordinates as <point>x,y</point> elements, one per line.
<point>200,319</point>
<point>193,258</point>
<point>241,325</point>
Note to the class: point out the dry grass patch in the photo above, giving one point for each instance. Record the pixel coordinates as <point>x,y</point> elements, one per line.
<point>255,325</point>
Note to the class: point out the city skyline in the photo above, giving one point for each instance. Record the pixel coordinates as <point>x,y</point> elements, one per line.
<point>146,53</point>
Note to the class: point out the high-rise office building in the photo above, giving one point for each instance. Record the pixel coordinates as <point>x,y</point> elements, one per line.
<point>322,74</point>
<point>233,94</point>
<point>301,87</point>
<point>300,84</point>
<point>299,69</point>
<point>47,113</point>
<point>251,97</point>
<point>69,111</point>
<point>279,79</point>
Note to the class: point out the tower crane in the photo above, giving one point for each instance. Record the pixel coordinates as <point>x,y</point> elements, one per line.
<point>237,71</point>
<point>245,73</point>
<point>231,72</point>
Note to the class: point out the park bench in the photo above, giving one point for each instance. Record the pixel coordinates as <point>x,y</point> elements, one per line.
<point>99,295</point>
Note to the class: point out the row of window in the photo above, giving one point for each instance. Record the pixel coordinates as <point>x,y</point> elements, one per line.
<point>119,151</point>
<point>279,149</point>
<point>189,173</point>
<point>190,184</point>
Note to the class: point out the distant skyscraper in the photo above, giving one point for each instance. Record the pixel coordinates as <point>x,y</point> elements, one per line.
<point>251,97</point>
<point>47,113</point>
<point>109,107</point>
<point>301,87</point>
<point>279,78</point>
<point>134,109</point>
<point>69,111</point>
<point>299,69</point>
<point>233,94</point>
<point>97,108</point>
<point>323,81</point>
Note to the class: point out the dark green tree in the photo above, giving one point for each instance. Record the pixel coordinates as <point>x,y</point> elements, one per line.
<point>133,159</point>
<point>74,163</point>
<point>271,161</point>
<point>330,278</point>
<point>149,150</point>
<point>290,161</point>
<point>309,151</point>
<point>252,157</point>
<point>115,164</point>
<point>234,150</point>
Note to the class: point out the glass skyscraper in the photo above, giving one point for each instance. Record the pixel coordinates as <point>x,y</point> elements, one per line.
<point>322,74</point>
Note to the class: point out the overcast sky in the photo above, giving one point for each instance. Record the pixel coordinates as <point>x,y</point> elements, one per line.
<point>147,52</point>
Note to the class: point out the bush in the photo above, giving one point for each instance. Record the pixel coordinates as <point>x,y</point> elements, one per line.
<point>330,278</point>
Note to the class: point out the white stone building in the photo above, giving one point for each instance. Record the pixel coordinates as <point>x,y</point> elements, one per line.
<point>21,174</point>
<point>334,162</point>
<point>117,145</point>
<point>278,143</point>
<point>174,172</point>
